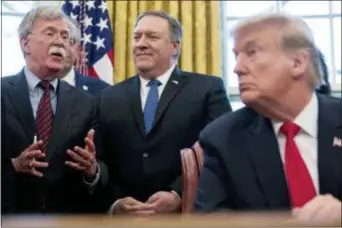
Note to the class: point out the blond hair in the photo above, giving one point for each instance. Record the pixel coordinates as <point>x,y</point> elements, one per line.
<point>296,35</point>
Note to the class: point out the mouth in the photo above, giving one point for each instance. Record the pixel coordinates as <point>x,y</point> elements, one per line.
<point>144,55</point>
<point>57,55</point>
<point>245,86</point>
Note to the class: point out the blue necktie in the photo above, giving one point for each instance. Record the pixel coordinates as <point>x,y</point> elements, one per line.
<point>151,104</point>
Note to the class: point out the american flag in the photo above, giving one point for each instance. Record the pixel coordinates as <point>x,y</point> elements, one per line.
<point>96,35</point>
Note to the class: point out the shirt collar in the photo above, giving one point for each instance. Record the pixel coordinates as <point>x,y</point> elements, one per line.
<point>162,78</point>
<point>306,120</point>
<point>32,80</point>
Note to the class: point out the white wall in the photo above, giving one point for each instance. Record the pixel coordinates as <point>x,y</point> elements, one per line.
<point>47,3</point>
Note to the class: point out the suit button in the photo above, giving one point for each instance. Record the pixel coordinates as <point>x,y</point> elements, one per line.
<point>145,155</point>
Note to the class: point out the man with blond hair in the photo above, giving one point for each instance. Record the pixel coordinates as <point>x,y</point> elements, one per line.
<point>283,150</point>
<point>48,154</point>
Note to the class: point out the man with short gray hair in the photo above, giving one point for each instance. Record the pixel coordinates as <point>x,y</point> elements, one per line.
<point>282,151</point>
<point>147,119</point>
<point>50,155</point>
<point>73,76</point>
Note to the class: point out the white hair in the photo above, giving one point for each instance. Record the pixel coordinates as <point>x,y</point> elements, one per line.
<point>74,29</point>
<point>296,35</point>
<point>41,12</point>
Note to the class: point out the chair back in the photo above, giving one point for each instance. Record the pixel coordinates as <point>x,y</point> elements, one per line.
<point>192,162</point>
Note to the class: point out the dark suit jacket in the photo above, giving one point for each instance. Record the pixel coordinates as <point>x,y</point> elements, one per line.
<point>140,165</point>
<point>61,189</point>
<point>243,168</point>
<point>93,85</point>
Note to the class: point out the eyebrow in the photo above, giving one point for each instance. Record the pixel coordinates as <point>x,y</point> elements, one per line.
<point>147,32</point>
<point>54,29</point>
<point>248,44</point>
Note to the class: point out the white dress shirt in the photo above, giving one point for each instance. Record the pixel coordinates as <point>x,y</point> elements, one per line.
<point>144,89</point>
<point>306,139</point>
<point>70,77</point>
<point>36,93</point>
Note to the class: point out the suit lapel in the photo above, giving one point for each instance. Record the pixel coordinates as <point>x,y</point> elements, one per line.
<point>329,156</point>
<point>173,86</point>
<point>266,159</point>
<point>133,94</point>
<point>64,111</point>
<point>20,99</point>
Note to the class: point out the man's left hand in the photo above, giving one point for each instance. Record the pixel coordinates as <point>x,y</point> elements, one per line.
<point>324,210</point>
<point>163,202</point>
<point>84,158</point>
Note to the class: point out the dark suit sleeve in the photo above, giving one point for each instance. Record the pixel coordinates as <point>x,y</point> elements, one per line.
<point>217,104</point>
<point>98,145</point>
<point>212,192</point>
<point>177,186</point>
<point>217,100</point>
<point>106,192</point>
<point>7,169</point>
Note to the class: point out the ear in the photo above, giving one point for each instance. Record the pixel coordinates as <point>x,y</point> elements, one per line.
<point>24,45</point>
<point>300,61</point>
<point>175,46</point>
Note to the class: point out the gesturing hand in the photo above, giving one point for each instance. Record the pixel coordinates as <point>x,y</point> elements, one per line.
<point>84,158</point>
<point>27,162</point>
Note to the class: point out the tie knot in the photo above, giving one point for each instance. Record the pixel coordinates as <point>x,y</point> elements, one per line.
<point>290,129</point>
<point>45,85</point>
<point>154,82</point>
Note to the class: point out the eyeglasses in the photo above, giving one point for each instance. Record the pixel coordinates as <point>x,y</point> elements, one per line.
<point>72,41</point>
<point>50,36</point>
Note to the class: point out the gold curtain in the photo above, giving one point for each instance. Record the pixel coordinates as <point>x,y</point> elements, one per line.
<point>201,44</point>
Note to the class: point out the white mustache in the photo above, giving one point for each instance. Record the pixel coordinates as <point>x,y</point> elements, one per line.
<point>57,50</point>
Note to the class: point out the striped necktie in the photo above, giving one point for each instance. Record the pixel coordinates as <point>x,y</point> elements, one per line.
<point>44,116</point>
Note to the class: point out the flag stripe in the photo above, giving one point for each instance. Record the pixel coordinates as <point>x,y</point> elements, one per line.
<point>101,69</point>
<point>96,35</point>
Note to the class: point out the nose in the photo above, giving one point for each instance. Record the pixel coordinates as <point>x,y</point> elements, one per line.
<point>141,42</point>
<point>59,41</point>
<point>239,68</point>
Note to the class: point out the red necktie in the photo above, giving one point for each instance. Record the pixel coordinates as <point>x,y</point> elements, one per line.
<point>44,116</point>
<point>299,181</point>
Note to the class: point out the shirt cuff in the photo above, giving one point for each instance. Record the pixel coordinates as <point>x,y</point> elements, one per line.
<point>111,209</point>
<point>96,179</point>
<point>175,193</point>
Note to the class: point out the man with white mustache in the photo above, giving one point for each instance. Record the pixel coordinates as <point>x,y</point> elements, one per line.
<point>48,155</point>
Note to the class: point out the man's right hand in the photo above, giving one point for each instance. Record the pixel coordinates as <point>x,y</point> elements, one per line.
<point>27,162</point>
<point>130,205</point>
